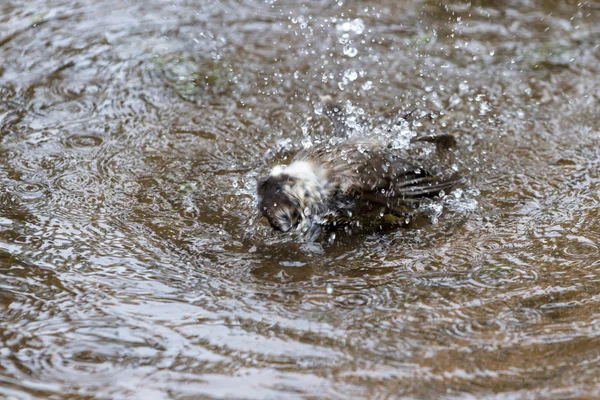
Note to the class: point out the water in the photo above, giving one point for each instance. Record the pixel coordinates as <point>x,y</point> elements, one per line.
<point>133,264</point>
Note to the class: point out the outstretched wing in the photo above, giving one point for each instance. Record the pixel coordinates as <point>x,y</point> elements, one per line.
<point>369,171</point>
<point>408,191</point>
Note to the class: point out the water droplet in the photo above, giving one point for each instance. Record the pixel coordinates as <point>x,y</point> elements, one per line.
<point>401,135</point>
<point>484,108</point>
<point>350,51</point>
<point>455,100</point>
<point>319,108</point>
<point>307,143</point>
<point>356,26</point>
<point>344,39</point>
<point>350,75</point>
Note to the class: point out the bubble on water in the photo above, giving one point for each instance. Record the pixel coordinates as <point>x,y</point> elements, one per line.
<point>350,51</point>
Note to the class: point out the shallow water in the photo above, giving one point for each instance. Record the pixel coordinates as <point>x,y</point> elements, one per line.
<point>133,264</point>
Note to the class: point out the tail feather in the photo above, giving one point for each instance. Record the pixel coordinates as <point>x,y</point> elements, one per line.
<point>413,191</point>
<point>426,187</point>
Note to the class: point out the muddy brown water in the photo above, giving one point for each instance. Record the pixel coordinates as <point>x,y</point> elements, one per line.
<point>133,264</point>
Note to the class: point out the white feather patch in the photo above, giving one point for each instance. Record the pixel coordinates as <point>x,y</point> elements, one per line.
<point>309,179</point>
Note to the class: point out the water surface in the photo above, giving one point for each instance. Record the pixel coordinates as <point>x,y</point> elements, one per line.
<point>133,264</point>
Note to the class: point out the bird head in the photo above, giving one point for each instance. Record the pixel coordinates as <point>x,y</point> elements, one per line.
<point>279,204</point>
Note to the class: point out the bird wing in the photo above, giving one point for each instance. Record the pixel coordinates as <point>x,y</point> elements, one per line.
<point>368,170</point>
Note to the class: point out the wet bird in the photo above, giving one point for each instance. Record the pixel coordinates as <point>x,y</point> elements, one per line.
<point>353,178</point>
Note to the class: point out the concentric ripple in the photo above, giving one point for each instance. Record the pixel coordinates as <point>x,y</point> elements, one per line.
<point>581,247</point>
<point>501,275</point>
<point>133,260</point>
<point>82,141</point>
<point>77,182</point>
<point>30,190</point>
<point>357,299</point>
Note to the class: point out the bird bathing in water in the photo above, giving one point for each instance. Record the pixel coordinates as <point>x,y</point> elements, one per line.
<point>325,184</point>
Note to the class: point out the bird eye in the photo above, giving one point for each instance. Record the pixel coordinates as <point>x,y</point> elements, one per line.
<point>295,216</point>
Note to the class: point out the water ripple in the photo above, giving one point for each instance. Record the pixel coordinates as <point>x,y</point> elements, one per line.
<point>498,276</point>
<point>82,141</point>
<point>77,182</point>
<point>30,190</point>
<point>581,247</point>
<point>135,265</point>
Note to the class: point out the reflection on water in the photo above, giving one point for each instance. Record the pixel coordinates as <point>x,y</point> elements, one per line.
<point>134,265</point>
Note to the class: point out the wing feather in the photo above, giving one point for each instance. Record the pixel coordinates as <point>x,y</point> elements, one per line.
<point>370,172</point>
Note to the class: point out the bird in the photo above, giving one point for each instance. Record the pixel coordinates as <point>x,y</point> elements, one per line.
<point>351,178</point>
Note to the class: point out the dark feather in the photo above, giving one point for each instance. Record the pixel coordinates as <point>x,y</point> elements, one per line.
<point>442,142</point>
<point>409,193</point>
